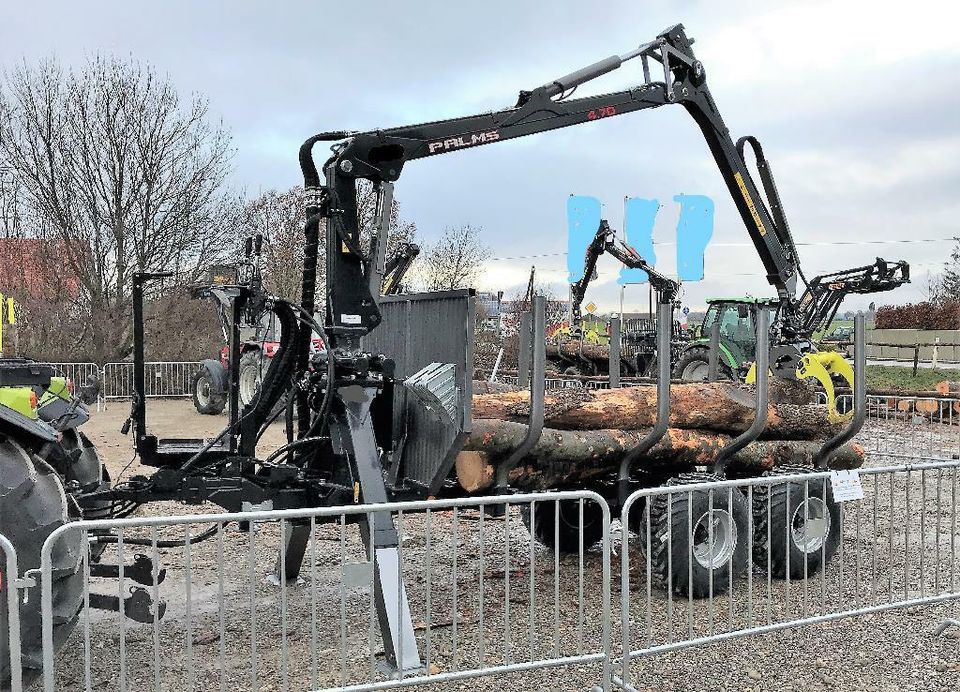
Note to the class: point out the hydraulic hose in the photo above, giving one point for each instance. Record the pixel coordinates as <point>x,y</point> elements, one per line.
<point>311,232</point>
<point>277,378</point>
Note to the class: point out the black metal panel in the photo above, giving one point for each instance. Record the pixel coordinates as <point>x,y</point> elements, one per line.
<point>417,330</point>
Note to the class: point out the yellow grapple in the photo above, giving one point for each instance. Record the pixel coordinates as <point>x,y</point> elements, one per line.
<point>822,367</point>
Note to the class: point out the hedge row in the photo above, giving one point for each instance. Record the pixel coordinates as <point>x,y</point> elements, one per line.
<point>919,316</point>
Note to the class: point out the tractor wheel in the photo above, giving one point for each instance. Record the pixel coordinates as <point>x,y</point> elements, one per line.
<point>32,506</point>
<point>564,535</point>
<point>205,399</point>
<point>796,525</point>
<point>692,546</point>
<point>251,373</point>
<point>694,366</point>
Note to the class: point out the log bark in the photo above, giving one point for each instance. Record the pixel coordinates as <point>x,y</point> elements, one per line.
<point>716,407</point>
<point>564,458</point>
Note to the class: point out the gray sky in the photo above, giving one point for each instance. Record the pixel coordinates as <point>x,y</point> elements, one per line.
<point>855,103</point>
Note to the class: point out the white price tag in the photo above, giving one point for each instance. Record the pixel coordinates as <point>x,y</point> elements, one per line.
<point>349,319</point>
<point>846,485</point>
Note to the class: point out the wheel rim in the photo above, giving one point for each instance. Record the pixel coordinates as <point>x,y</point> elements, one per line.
<point>810,525</point>
<point>696,371</point>
<point>249,383</point>
<point>203,391</point>
<point>714,538</point>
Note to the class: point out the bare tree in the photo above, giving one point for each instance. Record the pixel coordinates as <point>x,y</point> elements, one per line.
<point>123,174</point>
<point>278,216</point>
<point>456,260</point>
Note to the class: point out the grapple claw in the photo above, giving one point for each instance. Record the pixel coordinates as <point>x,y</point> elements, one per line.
<point>822,366</point>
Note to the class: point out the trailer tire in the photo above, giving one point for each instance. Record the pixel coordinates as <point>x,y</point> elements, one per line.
<point>32,506</point>
<point>207,398</point>
<point>796,528</point>
<point>726,557</point>
<point>564,536</point>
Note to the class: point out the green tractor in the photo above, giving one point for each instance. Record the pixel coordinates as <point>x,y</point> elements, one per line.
<point>738,340</point>
<point>44,458</point>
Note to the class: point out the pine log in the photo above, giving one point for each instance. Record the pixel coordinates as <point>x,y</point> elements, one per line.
<point>716,407</point>
<point>567,458</point>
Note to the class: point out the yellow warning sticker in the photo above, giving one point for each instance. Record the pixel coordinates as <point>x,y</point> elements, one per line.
<point>750,205</point>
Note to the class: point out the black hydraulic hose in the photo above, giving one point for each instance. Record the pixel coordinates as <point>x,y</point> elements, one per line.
<point>277,378</point>
<point>280,451</point>
<point>311,233</point>
<point>209,533</point>
<point>310,251</point>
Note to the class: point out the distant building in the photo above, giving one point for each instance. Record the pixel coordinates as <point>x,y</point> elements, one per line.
<point>40,268</point>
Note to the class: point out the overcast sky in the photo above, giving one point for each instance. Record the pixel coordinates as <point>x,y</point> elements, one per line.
<point>856,104</point>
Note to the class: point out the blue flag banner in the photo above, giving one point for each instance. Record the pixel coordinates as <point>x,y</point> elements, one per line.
<point>639,216</point>
<point>583,219</point>
<point>694,230</point>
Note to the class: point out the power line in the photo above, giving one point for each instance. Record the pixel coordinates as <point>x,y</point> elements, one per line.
<point>823,243</point>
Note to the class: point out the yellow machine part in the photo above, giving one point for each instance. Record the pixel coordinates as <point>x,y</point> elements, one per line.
<point>590,335</point>
<point>821,366</point>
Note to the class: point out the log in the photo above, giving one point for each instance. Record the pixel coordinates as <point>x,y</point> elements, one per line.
<point>717,407</point>
<point>568,458</point>
<point>946,388</point>
<point>575,350</point>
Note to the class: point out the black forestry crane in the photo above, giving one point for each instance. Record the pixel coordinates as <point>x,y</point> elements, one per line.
<point>606,241</point>
<point>397,266</point>
<point>380,155</point>
<point>824,293</point>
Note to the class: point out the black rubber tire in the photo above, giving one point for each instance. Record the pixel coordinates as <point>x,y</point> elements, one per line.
<point>252,365</point>
<point>567,538</point>
<point>32,506</point>
<point>772,546</point>
<point>214,402</point>
<point>694,356</point>
<point>671,552</point>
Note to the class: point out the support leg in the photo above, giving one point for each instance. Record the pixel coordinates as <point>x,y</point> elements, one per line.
<point>295,538</point>
<point>379,534</point>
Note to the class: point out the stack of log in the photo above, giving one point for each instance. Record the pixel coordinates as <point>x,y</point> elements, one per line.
<point>588,432</point>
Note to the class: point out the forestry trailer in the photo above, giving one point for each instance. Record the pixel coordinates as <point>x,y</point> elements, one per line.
<point>383,410</point>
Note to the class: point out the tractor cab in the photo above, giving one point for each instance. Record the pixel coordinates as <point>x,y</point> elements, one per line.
<point>738,340</point>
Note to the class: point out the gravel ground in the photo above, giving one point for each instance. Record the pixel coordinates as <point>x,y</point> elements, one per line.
<point>217,614</point>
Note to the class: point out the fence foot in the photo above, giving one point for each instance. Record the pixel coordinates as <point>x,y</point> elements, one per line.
<point>945,625</point>
<point>619,684</point>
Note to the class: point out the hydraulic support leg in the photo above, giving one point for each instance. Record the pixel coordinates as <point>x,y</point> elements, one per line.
<point>354,427</point>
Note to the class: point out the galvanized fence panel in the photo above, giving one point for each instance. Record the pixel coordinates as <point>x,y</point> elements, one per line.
<point>895,548</point>
<point>911,427</point>
<point>80,373</point>
<point>10,639</point>
<point>549,382</point>
<point>162,379</point>
<point>485,598</point>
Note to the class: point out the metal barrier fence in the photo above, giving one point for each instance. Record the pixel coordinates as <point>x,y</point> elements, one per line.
<point>740,557</point>
<point>484,598</point>
<point>163,379</point>
<point>80,373</point>
<point>549,382</point>
<point>9,590</point>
